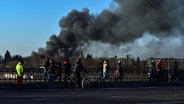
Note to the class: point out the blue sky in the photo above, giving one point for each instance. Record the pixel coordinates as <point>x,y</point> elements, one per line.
<point>26,25</point>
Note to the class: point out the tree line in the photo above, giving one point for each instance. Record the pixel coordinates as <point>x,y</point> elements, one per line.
<point>37,60</point>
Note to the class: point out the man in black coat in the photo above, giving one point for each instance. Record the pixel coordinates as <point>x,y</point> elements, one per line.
<point>78,68</point>
<point>67,70</point>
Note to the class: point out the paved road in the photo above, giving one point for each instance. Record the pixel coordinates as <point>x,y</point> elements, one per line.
<point>143,95</point>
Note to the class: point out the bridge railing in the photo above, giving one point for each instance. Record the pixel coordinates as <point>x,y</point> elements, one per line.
<point>34,75</point>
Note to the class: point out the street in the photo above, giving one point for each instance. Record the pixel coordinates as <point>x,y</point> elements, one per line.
<point>142,95</point>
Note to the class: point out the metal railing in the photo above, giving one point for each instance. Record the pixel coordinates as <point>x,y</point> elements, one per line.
<point>34,75</point>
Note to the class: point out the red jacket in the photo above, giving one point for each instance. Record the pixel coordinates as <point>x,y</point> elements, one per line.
<point>160,65</point>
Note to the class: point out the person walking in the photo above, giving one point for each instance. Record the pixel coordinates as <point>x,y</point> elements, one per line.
<point>59,70</point>
<point>152,71</point>
<point>20,72</point>
<point>119,72</point>
<point>46,69</point>
<point>174,71</point>
<point>160,70</point>
<point>105,69</point>
<point>52,71</point>
<point>67,69</point>
<point>100,69</point>
<point>78,68</point>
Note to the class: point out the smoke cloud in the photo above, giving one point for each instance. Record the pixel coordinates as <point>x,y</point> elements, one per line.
<point>144,28</point>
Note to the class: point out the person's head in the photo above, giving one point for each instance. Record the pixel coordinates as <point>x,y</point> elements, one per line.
<point>105,62</point>
<point>22,62</point>
<point>52,61</point>
<point>81,53</point>
<point>119,61</point>
<point>153,61</point>
<point>175,63</point>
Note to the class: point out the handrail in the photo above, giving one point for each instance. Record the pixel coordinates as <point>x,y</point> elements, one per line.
<point>34,75</point>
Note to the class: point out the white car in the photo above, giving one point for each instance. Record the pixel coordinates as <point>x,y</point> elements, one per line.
<point>28,76</point>
<point>14,76</point>
<point>10,76</point>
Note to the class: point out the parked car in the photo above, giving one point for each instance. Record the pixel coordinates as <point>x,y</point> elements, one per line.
<point>10,76</point>
<point>28,76</point>
<point>14,76</point>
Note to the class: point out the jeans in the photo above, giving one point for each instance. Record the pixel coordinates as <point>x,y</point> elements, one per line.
<point>104,75</point>
<point>45,76</point>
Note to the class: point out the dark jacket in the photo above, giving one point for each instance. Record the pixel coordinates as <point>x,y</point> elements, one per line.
<point>120,69</point>
<point>52,68</point>
<point>47,64</point>
<point>78,67</point>
<point>67,67</point>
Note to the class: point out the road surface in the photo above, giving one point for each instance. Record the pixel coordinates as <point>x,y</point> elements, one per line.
<point>141,95</point>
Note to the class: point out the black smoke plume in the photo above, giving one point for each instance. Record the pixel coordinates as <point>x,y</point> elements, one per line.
<point>120,29</point>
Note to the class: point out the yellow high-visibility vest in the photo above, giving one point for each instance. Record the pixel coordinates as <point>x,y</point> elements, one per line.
<point>19,69</point>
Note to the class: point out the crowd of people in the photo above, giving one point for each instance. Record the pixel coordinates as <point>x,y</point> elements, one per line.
<point>104,70</point>
<point>55,69</point>
<point>156,71</point>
